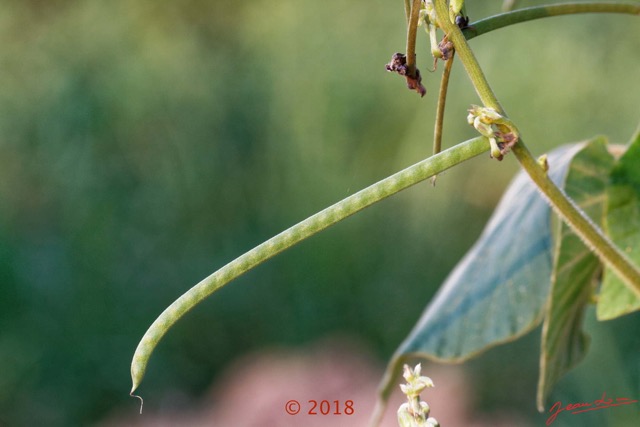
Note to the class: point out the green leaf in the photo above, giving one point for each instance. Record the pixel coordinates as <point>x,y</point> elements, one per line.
<point>499,289</point>
<point>575,270</point>
<point>622,224</point>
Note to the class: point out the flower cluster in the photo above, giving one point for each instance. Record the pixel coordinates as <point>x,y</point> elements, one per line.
<point>443,49</point>
<point>501,132</point>
<point>415,413</point>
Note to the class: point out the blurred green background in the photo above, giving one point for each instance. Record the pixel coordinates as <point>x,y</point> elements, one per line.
<point>144,144</point>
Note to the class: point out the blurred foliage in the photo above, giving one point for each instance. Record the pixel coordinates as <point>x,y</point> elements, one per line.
<point>143,144</point>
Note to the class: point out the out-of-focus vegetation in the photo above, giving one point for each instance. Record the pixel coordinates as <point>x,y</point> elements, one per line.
<point>143,144</point>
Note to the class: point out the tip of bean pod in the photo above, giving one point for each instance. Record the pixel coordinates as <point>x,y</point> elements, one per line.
<point>137,397</point>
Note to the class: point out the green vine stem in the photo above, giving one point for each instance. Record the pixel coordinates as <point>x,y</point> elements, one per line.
<point>564,207</point>
<point>297,233</point>
<point>528,14</point>
<point>442,102</point>
<point>412,34</point>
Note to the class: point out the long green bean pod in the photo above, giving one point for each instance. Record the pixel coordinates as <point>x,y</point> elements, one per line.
<point>297,233</point>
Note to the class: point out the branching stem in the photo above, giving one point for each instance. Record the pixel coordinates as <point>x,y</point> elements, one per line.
<point>562,205</point>
<point>502,20</point>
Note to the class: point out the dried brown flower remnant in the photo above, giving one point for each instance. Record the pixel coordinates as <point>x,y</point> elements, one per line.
<point>446,48</point>
<point>506,136</point>
<point>398,65</point>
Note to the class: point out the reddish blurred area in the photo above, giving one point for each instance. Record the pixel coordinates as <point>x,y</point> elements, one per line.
<point>253,392</point>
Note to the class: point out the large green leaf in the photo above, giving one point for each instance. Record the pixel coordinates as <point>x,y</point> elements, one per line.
<point>499,289</point>
<point>622,224</point>
<point>574,270</point>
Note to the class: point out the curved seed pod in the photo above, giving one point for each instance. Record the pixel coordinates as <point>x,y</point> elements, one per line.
<point>318,222</point>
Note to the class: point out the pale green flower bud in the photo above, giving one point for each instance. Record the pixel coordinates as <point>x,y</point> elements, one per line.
<point>428,15</point>
<point>485,129</point>
<point>455,6</point>
<point>501,132</point>
<point>432,422</point>
<point>423,17</point>
<point>425,409</point>
<point>411,374</point>
<point>431,11</point>
<point>433,40</point>
<point>544,163</point>
<point>414,412</point>
<point>496,152</point>
<point>489,115</point>
<point>406,418</point>
<point>415,382</point>
<point>471,118</point>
